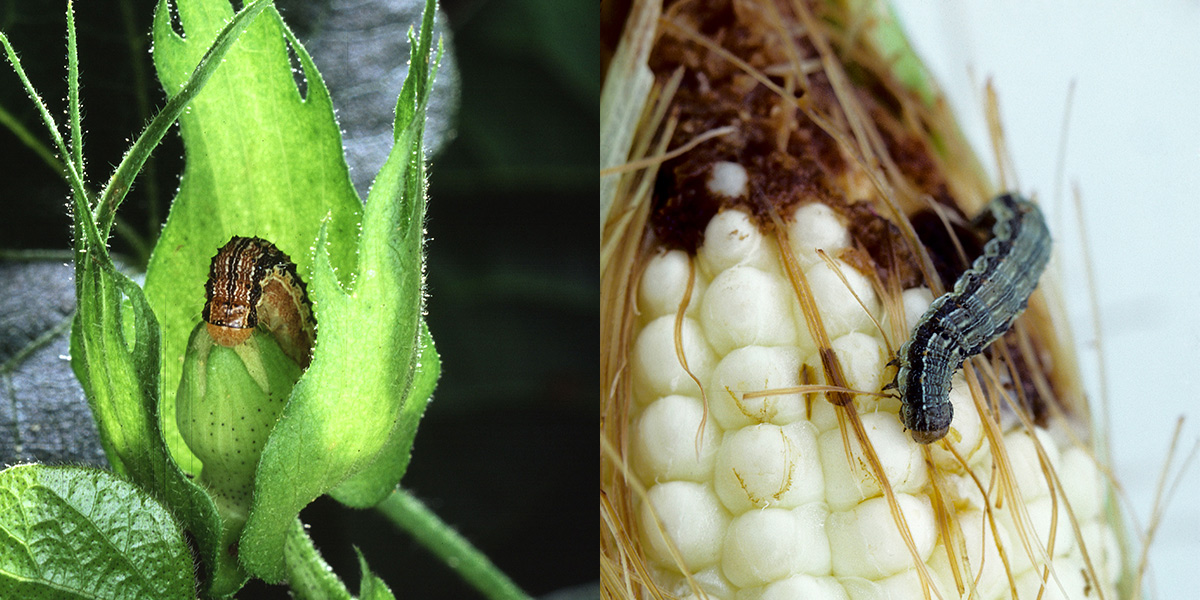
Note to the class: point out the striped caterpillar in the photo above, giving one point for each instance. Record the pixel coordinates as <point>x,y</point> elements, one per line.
<point>252,283</point>
<point>986,299</point>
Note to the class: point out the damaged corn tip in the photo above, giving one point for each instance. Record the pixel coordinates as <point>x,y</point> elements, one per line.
<point>769,494</point>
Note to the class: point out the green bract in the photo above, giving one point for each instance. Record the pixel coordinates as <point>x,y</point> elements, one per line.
<point>260,161</point>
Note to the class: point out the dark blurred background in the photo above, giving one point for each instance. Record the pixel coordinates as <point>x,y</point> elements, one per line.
<point>506,451</point>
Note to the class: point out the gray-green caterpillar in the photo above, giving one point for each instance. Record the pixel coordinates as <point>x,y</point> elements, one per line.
<point>986,299</point>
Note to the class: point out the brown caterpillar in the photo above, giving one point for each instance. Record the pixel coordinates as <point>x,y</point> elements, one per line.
<point>253,283</point>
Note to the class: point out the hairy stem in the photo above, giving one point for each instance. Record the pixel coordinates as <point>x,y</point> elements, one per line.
<point>411,515</point>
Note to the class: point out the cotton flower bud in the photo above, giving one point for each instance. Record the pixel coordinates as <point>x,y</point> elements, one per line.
<point>228,401</point>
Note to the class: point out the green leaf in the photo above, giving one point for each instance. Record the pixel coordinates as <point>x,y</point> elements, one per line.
<point>372,588</point>
<point>344,408</point>
<point>260,161</point>
<point>115,355</point>
<point>71,532</point>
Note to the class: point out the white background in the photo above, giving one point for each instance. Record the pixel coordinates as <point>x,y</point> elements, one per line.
<point>1133,149</point>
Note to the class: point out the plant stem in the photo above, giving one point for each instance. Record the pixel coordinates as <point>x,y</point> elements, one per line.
<point>27,138</point>
<point>411,515</point>
<point>73,94</point>
<point>309,576</point>
<point>73,176</point>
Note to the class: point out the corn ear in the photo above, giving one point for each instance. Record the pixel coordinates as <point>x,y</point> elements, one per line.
<point>792,198</point>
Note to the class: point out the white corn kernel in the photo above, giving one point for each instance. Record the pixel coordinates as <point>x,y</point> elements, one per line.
<point>1082,481</point>
<point>691,516</point>
<point>656,364</point>
<point>710,580</point>
<point>1041,515</point>
<point>849,482</point>
<point>768,545</point>
<point>815,226</point>
<point>666,445</point>
<point>769,466</point>
<point>664,283</point>
<point>916,301</point>
<point>987,566</point>
<point>839,309</point>
<point>866,541</point>
<point>732,239</point>
<point>798,586</point>
<point>754,369</point>
<point>746,306</point>
<point>727,179</point>
<point>1026,466</point>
